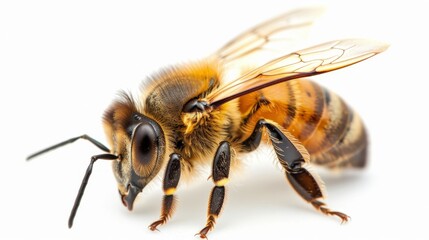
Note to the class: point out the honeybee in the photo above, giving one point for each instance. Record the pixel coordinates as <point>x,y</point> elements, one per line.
<point>199,114</point>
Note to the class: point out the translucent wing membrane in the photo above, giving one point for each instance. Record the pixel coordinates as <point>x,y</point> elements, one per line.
<point>311,61</point>
<point>276,35</point>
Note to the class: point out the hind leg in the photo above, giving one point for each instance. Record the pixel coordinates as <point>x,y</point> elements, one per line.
<point>308,188</point>
<point>292,156</point>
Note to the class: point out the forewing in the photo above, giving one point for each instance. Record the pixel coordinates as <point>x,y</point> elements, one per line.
<point>311,61</point>
<point>277,35</point>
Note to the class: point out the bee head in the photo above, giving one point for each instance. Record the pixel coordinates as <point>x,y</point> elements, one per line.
<point>139,142</point>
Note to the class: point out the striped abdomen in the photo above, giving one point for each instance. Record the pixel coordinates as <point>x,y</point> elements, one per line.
<point>332,132</point>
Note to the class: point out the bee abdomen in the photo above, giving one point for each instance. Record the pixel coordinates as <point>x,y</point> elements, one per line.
<point>328,128</point>
<point>338,137</point>
<point>350,150</point>
<point>331,131</point>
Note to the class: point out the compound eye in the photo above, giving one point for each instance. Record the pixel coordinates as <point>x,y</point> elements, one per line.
<point>144,149</point>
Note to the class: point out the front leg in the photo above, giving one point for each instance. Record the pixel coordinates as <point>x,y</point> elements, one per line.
<point>220,174</point>
<point>171,179</point>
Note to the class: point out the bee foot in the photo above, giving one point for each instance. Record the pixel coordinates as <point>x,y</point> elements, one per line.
<point>344,217</point>
<point>203,232</point>
<point>322,207</point>
<point>154,225</point>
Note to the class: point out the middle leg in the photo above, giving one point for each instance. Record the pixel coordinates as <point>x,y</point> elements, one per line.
<point>220,174</point>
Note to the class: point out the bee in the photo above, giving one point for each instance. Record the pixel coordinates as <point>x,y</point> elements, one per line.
<point>198,114</point>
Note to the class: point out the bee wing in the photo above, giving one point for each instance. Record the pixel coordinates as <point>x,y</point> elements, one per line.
<point>276,35</point>
<point>307,62</point>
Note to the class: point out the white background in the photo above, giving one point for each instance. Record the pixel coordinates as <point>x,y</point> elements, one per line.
<point>61,65</point>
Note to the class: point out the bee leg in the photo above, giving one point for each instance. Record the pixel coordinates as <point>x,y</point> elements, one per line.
<point>308,188</point>
<point>171,179</point>
<point>292,160</point>
<point>220,173</point>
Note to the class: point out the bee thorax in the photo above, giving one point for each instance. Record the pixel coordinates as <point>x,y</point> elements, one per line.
<point>194,120</point>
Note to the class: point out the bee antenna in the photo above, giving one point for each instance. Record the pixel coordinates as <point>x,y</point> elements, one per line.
<point>71,140</point>
<point>85,182</point>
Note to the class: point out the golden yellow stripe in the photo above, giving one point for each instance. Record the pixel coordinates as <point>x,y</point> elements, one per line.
<point>170,191</point>
<point>222,182</point>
